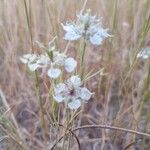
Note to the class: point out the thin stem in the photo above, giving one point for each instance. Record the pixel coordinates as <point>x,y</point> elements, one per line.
<point>66,134</point>
<point>43,122</point>
<point>144,32</point>
<point>103,127</point>
<point>145,95</point>
<point>83,8</point>
<point>112,128</point>
<point>83,53</point>
<point>28,15</point>
<point>54,107</point>
<point>82,59</point>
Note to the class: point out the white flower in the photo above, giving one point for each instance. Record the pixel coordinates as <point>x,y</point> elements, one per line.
<point>144,53</point>
<point>73,32</point>
<point>85,94</point>
<point>43,60</point>
<point>74,104</point>
<point>59,58</point>
<point>72,93</point>
<point>70,64</point>
<point>54,73</point>
<point>86,26</point>
<point>33,66</point>
<point>59,92</point>
<point>28,58</point>
<point>74,81</point>
<point>53,62</point>
<point>96,37</point>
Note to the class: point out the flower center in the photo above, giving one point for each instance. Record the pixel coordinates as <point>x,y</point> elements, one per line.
<point>72,92</point>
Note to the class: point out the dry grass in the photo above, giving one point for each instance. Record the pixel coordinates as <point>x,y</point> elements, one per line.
<point>121,97</point>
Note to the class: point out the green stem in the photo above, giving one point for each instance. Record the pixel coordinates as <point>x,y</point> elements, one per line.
<point>43,122</point>
<point>54,107</point>
<point>82,59</point>
<point>28,15</point>
<point>145,96</point>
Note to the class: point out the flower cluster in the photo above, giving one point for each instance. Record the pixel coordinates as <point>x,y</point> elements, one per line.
<point>144,53</point>
<point>52,61</point>
<point>72,92</point>
<point>86,26</point>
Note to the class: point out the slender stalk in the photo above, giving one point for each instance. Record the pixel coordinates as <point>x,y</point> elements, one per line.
<point>54,103</point>
<point>43,122</point>
<point>103,127</point>
<point>28,15</point>
<point>145,96</point>
<point>67,134</point>
<point>112,128</point>
<point>82,59</point>
<point>145,30</point>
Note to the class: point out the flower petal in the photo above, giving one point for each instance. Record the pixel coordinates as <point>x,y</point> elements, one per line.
<point>33,67</point>
<point>96,39</point>
<point>85,94</point>
<point>71,32</point>
<point>60,88</point>
<point>43,60</point>
<point>104,33</point>
<point>28,58</point>
<point>74,81</point>
<point>58,98</point>
<point>70,64</point>
<point>74,104</point>
<point>58,58</point>
<point>54,73</point>
<point>71,36</point>
<point>24,60</point>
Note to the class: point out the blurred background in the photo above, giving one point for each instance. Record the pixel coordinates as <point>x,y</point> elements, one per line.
<point>120,98</point>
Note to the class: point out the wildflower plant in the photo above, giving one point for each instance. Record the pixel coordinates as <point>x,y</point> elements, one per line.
<point>73,93</point>
<point>86,26</point>
<point>70,91</point>
<point>52,61</point>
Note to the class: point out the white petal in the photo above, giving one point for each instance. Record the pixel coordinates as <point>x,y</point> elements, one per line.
<point>85,94</point>
<point>70,64</point>
<point>33,67</point>
<point>96,39</point>
<point>60,88</point>
<point>58,98</point>
<point>43,60</point>
<point>71,32</point>
<point>75,104</point>
<point>54,73</point>
<point>28,56</point>
<point>32,58</point>
<point>98,34</point>
<point>24,60</point>
<point>144,53</point>
<point>104,33</point>
<point>145,56</point>
<point>58,58</point>
<point>67,27</point>
<point>71,36</point>
<point>74,81</point>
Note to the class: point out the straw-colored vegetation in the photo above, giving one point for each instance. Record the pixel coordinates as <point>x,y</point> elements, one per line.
<point>117,117</point>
